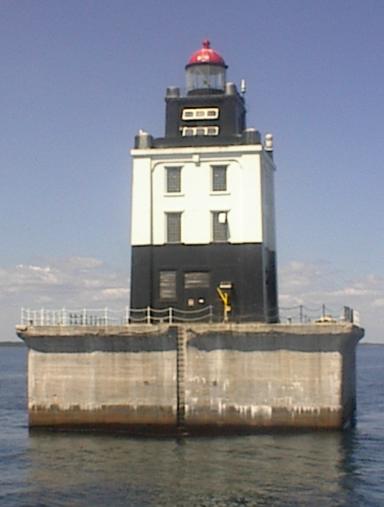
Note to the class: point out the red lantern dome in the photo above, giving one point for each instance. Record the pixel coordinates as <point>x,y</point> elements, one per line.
<point>206,55</point>
<point>205,71</point>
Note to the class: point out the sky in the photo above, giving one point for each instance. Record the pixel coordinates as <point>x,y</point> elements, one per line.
<point>79,78</point>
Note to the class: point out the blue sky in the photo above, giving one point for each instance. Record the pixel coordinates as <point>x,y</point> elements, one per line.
<point>80,78</point>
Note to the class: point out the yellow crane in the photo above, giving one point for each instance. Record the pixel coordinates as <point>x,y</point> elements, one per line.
<point>224,296</point>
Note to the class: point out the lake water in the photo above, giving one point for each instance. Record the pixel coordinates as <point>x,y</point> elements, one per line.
<point>296,469</point>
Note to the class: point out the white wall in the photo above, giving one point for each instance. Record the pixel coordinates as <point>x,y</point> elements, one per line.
<point>243,200</point>
<point>141,202</point>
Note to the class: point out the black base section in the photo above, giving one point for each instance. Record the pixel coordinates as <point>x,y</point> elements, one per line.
<point>253,296</point>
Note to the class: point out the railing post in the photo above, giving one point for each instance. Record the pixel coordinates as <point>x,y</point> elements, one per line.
<point>106,316</point>
<point>170,312</point>
<point>127,314</point>
<point>28,316</point>
<point>42,317</point>
<point>64,317</point>
<point>301,314</point>
<point>84,316</point>
<point>148,314</point>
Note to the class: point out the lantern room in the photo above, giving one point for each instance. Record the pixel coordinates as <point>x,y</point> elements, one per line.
<point>205,71</point>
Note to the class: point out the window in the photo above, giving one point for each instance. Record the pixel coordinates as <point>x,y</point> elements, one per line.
<point>219,178</point>
<point>219,226</point>
<point>167,285</point>
<point>212,131</point>
<point>173,179</point>
<point>173,227</point>
<point>201,113</point>
<point>196,280</point>
<point>200,131</point>
<point>212,113</point>
<point>188,114</point>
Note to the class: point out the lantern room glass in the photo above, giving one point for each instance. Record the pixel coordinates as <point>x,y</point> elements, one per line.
<point>205,77</point>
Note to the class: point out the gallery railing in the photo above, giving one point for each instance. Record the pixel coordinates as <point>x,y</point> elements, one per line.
<point>299,314</point>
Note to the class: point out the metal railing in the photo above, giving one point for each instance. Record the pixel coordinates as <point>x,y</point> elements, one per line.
<point>300,314</point>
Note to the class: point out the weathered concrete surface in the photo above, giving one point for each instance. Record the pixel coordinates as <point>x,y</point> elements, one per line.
<point>90,378</point>
<point>257,386</point>
<point>211,377</point>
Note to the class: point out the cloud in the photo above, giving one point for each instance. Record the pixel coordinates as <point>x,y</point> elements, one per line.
<point>61,278</point>
<point>112,294</point>
<point>84,282</point>
<point>315,284</point>
<point>78,263</point>
<point>75,282</point>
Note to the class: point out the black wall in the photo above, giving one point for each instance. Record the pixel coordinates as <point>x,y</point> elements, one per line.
<point>231,113</point>
<point>239,264</point>
<point>231,120</point>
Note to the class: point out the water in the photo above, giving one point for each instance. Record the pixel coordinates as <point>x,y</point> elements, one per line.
<point>302,469</point>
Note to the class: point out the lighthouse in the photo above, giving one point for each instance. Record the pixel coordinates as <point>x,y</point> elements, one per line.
<point>203,222</point>
<point>218,360</point>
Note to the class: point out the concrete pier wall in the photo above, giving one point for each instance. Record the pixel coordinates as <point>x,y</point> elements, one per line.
<point>201,378</point>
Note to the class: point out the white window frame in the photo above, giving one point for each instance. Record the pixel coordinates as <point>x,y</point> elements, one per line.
<point>222,218</point>
<point>167,173</point>
<point>200,113</point>
<point>208,130</point>
<point>224,168</point>
<point>167,236</point>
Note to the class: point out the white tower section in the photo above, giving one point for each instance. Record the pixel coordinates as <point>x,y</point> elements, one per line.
<point>229,184</point>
